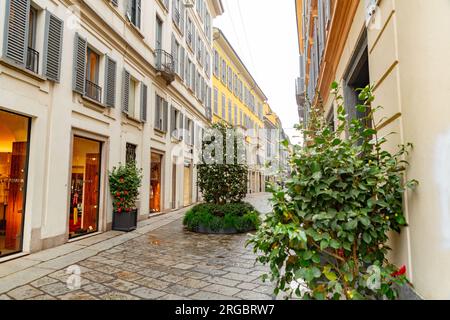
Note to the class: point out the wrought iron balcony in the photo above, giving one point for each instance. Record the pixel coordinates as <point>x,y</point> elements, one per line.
<point>165,65</point>
<point>32,60</point>
<point>93,91</point>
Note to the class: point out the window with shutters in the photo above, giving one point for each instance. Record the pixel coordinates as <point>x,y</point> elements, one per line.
<point>235,115</point>
<point>178,12</point>
<point>161,114</point>
<point>176,54</point>
<point>134,12</point>
<point>159,31</point>
<point>224,107</point>
<point>132,98</point>
<point>230,79</point>
<point>224,72</point>
<point>174,123</point>
<point>207,64</point>
<point>92,87</point>
<point>216,101</point>
<point>216,64</point>
<point>32,53</point>
<point>189,33</point>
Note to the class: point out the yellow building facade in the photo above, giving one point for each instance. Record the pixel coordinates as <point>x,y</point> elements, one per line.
<point>238,100</point>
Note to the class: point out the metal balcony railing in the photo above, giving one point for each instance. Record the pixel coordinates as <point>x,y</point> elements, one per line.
<point>32,60</point>
<point>93,91</point>
<point>165,64</point>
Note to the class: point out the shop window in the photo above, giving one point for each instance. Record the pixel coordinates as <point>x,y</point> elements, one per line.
<point>85,187</point>
<point>14,133</point>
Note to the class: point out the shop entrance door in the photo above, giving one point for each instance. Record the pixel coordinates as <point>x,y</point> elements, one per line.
<point>155,182</point>
<point>85,187</point>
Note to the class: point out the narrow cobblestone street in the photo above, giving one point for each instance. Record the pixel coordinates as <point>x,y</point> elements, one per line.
<point>160,260</point>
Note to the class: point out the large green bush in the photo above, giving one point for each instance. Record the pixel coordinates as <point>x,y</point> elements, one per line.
<point>222,173</point>
<point>240,217</point>
<point>329,228</point>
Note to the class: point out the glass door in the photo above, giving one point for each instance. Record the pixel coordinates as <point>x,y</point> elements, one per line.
<point>155,182</point>
<point>14,139</point>
<point>85,187</point>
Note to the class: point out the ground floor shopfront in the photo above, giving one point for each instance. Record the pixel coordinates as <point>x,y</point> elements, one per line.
<point>50,198</point>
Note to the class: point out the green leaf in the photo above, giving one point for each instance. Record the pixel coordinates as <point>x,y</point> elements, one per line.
<point>351,225</point>
<point>316,258</point>
<point>367,237</point>
<point>323,244</point>
<point>364,220</point>
<point>335,244</point>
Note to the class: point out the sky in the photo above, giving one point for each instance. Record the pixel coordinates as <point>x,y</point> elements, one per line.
<point>264,34</point>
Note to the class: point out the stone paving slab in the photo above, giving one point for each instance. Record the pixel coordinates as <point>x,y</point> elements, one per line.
<point>159,260</point>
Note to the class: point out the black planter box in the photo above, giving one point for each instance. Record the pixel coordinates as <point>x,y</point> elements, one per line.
<point>124,221</point>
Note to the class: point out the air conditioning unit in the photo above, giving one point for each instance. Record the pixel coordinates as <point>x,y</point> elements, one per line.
<point>189,3</point>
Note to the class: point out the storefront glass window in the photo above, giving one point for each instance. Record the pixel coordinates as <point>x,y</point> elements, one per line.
<point>14,133</point>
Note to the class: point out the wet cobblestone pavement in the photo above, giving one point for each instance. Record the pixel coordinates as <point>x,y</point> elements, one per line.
<point>166,263</point>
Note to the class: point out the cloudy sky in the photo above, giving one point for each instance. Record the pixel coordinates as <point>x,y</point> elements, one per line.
<point>264,34</point>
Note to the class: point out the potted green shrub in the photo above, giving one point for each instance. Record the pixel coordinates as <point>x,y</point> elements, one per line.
<point>124,183</point>
<point>327,237</point>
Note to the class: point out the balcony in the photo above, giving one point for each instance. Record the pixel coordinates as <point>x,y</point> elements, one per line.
<point>165,65</point>
<point>32,60</point>
<point>93,91</point>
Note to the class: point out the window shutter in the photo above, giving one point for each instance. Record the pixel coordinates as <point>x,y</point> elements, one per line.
<point>174,53</point>
<point>53,46</point>
<point>327,13</point>
<point>128,9</point>
<point>173,11</point>
<point>115,2</point>
<point>181,135</point>
<point>186,129</point>
<point>79,64</point>
<point>192,134</point>
<point>166,116</point>
<point>182,15</point>
<point>138,13</point>
<point>182,53</point>
<point>143,102</point>
<point>157,112</point>
<point>172,121</point>
<point>126,91</point>
<point>16,32</point>
<point>110,82</point>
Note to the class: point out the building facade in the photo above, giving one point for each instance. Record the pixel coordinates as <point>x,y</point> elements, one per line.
<point>85,86</point>
<point>239,101</point>
<point>397,46</point>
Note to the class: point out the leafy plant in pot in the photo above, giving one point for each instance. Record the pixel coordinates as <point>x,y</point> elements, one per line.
<point>124,183</point>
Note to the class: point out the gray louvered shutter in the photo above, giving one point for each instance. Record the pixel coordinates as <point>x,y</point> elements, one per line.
<point>173,11</point>
<point>115,2</point>
<point>79,64</point>
<point>16,31</point>
<point>126,91</point>
<point>165,115</point>
<point>186,127</point>
<point>183,14</point>
<point>192,134</point>
<point>144,102</point>
<point>181,135</point>
<point>110,82</point>
<point>157,111</point>
<point>138,13</point>
<point>53,42</point>
<point>175,62</point>
<point>172,121</point>
<point>182,53</point>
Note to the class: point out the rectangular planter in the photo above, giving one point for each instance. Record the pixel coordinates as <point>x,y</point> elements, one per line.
<point>124,221</point>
